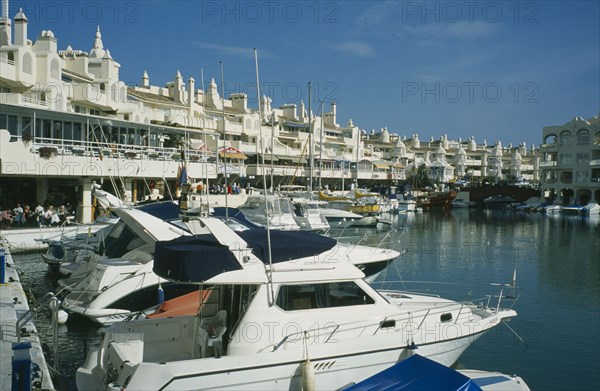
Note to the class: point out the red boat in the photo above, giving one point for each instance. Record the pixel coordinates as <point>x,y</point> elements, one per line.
<point>437,200</point>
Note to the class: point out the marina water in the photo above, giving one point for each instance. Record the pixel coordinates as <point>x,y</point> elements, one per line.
<point>554,343</point>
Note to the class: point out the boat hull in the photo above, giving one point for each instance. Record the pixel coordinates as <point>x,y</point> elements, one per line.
<point>280,370</point>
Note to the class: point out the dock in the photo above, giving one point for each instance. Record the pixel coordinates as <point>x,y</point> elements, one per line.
<point>13,305</point>
<point>23,240</point>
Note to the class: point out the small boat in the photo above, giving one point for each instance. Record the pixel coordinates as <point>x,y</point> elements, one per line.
<point>365,205</point>
<point>337,218</point>
<point>590,209</point>
<point>498,201</point>
<point>460,203</point>
<point>307,214</point>
<point>420,373</point>
<point>279,211</point>
<point>437,200</point>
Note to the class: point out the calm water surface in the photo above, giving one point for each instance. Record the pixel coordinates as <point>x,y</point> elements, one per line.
<point>457,254</point>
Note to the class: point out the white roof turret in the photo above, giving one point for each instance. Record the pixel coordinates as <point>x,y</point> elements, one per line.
<point>416,143</point>
<point>385,135</point>
<point>517,156</point>
<point>98,48</point>
<point>497,150</point>
<point>472,144</point>
<point>20,16</point>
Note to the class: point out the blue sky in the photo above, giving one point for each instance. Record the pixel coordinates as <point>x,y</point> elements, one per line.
<point>499,70</point>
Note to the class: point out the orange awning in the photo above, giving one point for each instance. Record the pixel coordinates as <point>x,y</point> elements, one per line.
<point>232,153</point>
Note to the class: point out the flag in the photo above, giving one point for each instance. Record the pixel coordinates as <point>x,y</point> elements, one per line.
<point>182,177</point>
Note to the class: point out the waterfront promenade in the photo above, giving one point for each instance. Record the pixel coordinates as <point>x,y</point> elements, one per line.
<point>13,304</point>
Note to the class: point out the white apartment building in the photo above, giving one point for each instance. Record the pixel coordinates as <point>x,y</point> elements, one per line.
<point>67,119</point>
<point>570,161</point>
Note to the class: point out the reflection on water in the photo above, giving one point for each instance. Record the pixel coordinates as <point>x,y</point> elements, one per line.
<point>460,252</point>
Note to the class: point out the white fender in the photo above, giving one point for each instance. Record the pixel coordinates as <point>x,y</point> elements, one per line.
<point>308,376</point>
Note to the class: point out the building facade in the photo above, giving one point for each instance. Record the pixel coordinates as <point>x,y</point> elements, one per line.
<point>570,161</point>
<point>68,120</point>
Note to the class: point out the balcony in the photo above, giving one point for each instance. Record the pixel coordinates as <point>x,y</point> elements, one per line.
<point>21,100</point>
<point>553,163</point>
<point>549,146</point>
<point>7,69</point>
<point>595,162</point>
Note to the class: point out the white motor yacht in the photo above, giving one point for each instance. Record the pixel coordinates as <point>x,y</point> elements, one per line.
<point>307,214</point>
<point>279,210</point>
<point>117,287</point>
<point>276,324</point>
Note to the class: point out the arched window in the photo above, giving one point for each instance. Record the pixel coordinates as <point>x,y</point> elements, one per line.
<point>550,139</point>
<point>27,63</point>
<point>54,69</point>
<point>583,137</point>
<point>565,137</point>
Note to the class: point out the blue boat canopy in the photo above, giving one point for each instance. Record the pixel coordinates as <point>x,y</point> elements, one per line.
<point>286,245</point>
<point>235,214</point>
<point>193,259</point>
<point>416,373</point>
<point>165,210</point>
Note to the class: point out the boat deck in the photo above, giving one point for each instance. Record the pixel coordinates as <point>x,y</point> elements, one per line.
<point>13,304</point>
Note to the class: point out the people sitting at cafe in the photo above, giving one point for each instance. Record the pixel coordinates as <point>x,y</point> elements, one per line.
<point>5,218</point>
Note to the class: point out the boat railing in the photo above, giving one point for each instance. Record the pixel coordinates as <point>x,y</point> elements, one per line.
<point>512,292</point>
<point>329,330</point>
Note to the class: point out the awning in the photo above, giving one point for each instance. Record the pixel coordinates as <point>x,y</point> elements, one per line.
<point>398,165</point>
<point>286,245</point>
<point>193,259</point>
<point>269,158</point>
<point>381,165</point>
<point>296,125</point>
<point>295,159</point>
<point>232,153</point>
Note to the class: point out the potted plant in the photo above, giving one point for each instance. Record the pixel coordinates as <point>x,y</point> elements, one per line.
<point>26,137</point>
<point>47,152</point>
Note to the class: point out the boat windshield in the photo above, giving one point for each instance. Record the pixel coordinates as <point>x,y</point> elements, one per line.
<point>284,205</point>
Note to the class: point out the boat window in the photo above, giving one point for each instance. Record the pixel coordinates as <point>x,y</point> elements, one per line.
<point>251,204</point>
<point>446,317</point>
<point>326,295</point>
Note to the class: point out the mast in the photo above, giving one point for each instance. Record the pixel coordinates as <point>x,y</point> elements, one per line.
<point>205,146</point>
<point>321,149</point>
<point>357,147</point>
<point>224,142</point>
<point>270,271</point>
<point>272,147</point>
<point>310,146</point>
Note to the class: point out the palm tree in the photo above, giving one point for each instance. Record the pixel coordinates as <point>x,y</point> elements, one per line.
<point>420,177</point>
